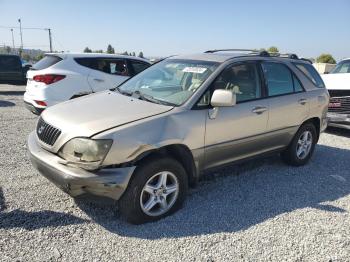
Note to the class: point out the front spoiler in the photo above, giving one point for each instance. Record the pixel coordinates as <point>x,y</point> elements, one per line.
<point>107,182</point>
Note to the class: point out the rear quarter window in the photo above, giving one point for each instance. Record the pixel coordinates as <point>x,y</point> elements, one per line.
<point>46,61</point>
<point>310,72</point>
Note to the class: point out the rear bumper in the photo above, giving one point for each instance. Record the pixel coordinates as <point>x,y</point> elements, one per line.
<point>33,109</point>
<point>108,182</point>
<point>339,120</point>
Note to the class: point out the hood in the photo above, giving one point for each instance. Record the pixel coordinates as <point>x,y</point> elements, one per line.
<point>339,81</point>
<point>95,113</point>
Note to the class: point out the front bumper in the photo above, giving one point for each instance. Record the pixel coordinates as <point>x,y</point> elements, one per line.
<point>338,120</point>
<point>107,182</point>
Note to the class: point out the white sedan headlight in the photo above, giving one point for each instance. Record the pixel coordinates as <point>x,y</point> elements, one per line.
<point>85,152</point>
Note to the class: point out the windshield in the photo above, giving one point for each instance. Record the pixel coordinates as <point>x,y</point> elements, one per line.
<point>171,81</point>
<point>342,67</point>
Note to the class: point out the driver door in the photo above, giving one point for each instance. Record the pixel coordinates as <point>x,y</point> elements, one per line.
<point>237,132</point>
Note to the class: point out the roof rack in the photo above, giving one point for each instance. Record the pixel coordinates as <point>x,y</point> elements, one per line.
<point>257,52</point>
<point>224,50</point>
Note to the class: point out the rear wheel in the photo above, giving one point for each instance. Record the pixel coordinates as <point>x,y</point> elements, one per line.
<point>302,146</point>
<point>157,189</point>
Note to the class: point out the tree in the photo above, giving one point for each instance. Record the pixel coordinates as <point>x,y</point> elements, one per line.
<point>141,54</point>
<point>8,49</point>
<point>39,57</point>
<point>326,58</point>
<point>273,49</point>
<point>26,57</point>
<point>87,50</point>
<point>98,51</point>
<point>133,54</point>
<point>110,49</point>
<point>125,53</point>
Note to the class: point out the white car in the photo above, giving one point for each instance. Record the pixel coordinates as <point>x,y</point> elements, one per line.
<point>338,85</point>
<point>60,77</point>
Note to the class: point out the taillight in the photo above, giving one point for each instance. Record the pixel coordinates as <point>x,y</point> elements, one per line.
<point>40,103</point>
<point>48,79</point>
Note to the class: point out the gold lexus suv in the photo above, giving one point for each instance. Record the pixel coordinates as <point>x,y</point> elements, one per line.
<point>146,141</point>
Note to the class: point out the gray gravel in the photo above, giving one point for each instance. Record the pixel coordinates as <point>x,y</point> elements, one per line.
<point>261,210</point>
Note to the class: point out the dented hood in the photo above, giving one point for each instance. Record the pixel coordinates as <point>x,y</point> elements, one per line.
<point>95,113</point>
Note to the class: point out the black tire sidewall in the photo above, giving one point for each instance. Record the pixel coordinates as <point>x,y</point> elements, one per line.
<point>290,155</point>
<point>129,204</point>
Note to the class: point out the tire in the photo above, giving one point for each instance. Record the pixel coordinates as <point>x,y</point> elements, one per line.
<point>291,155</point>
<point>134,203</point>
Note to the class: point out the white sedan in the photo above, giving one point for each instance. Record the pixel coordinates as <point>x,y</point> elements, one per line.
<point>60,77</point>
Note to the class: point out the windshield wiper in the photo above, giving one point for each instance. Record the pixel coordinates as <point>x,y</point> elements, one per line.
<point>120,91</point>
<point>150,98</point>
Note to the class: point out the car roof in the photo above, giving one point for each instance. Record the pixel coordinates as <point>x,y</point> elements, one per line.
<point>75,55</point>
<point>221,57</point>
<point>213,57</point>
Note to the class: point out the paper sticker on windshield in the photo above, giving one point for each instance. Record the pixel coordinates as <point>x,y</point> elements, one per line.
<point>195,70</point>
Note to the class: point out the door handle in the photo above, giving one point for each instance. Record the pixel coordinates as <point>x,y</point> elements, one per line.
<point>302,101</point>
<point>99,80</point>
<point>259,110</point>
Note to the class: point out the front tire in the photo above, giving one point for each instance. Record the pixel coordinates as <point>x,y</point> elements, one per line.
<point>301,148</point>
<point>157,189</point>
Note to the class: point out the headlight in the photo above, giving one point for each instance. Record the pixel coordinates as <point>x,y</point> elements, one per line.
<point>85,152</point>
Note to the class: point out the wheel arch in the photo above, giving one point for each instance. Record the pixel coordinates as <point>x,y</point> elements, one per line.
<point>179,152</point>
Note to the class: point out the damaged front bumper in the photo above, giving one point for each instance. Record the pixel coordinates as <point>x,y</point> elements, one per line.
<point>107,182</point>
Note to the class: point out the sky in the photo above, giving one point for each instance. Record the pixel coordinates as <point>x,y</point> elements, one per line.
<point>161,28</point>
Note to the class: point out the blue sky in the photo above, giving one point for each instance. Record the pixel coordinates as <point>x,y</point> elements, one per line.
<point>307,27</point>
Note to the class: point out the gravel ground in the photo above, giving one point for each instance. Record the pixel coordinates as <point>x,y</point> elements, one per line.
<point>256,211</point>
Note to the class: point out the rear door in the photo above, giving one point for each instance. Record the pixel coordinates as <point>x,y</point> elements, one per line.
<point>108,73</point>
<point>287,100</point>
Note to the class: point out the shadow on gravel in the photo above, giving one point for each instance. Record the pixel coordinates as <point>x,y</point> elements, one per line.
<point>338,131</point>
<point>34,220</point>
<point>226,202</point>
<point>12,93</point>
<point>6,103</point>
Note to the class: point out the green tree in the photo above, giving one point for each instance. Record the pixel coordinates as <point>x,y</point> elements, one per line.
<point>98,51</point>
<point>133,54</point>
<point>326,58</point>
<point>8,49</point>
<point>141,54</point>
<point>26,57</point>
<point>39,57</point>
<point>110,49</point>
<point>87,50</point>
<point>273,49</point>
<point>125,53</point>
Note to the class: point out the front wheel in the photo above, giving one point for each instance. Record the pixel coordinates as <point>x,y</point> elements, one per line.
<point>302,146</point>
<point>157,189</point>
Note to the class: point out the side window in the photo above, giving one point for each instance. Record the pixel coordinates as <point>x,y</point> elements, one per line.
<point>297,85</point>
<point>87,62</point>
<point>138,67</point>
<point>112,66</point>
<point>311,73</point>
<point>279,79</point>
<point>242,79</point>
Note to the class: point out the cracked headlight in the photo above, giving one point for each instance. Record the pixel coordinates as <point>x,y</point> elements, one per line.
<point>85,152</point>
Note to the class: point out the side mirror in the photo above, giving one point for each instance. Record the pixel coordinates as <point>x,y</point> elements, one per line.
<point>222,97</point>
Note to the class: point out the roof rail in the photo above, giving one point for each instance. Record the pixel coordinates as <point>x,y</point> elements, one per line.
<point>256,52</point>
<point>224,50</point>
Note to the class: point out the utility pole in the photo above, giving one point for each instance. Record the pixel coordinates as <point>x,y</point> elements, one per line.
<point>50,39</point>
<point>13,41</point>
<point>20,30</point>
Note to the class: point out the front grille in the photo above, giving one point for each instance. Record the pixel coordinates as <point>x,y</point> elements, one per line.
<point>47,133</point>
<point>339,105</point>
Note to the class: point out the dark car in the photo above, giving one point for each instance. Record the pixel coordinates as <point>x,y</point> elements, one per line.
<point>11,69</point>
